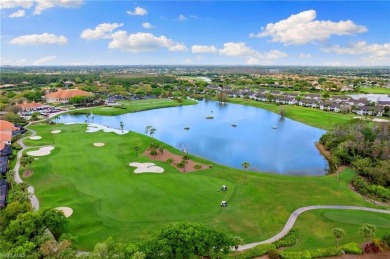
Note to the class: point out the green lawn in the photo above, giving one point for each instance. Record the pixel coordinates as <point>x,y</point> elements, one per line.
<point>133,106</point>
<point>310,116</point>
<point>316,227</point>
<point>110,200</point>
<point>375,90</point>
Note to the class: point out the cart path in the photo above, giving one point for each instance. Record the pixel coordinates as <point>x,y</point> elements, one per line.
<point>293,217</point>
<point>33,199</point>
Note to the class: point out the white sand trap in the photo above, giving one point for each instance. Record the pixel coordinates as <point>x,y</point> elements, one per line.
<point>66,210</point>
<point>146,168</point>
<point>56,131</point>
<point>98,144</point>
<point>380,120</point>
<point>107,108</point>
<point>43,151</point>
<point>93,127</point>
<point>35,137</point>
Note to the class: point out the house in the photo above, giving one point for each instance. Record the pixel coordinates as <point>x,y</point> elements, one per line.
<point>3,164</point>
<point>340,98</point>
<point>325,106</point>
<point>28,107</point>
<point>3,193</point>
<point>63,96</point>
<point>313,96</point>
<point>7,130</point>
<point>335,107</point>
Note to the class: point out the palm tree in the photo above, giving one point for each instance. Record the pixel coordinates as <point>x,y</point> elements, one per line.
<point>245,165</point>
<point>30,159</point>
<point>149,129</point>
<point>23,162</point>
<point>121,124</point>
<point>338,233</point>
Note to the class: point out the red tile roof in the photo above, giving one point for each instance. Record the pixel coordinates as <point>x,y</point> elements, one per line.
<point>5,136</point>
<point>64,94</point>
<point>27,106</point>
<point>7,126</point>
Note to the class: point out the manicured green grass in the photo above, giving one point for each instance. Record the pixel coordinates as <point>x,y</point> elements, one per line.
<point>375,90</point>
<point>110,200</point>
<point>316,227</point>
<point>133,106</point>
<point>310,116</point>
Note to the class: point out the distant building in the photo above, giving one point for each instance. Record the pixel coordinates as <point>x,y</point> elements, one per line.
<point>33,106</point>
<point>63,96</point>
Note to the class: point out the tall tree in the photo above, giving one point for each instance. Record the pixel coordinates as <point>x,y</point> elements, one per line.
<point>368,231</point>
<point>245,165</point>
<point>150,130</point>
<point>338,233</point>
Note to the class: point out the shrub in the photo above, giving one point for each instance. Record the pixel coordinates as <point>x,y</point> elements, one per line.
<point>180,164</point>
<point>256,251</point>
<point>386,238</point>
<point>197,166</point>
<point>351,248</point>
<point>273,254</point>
<point>375,190</point>
<point>290,239</point>
<point>153,152</point>
<point>170,160</point>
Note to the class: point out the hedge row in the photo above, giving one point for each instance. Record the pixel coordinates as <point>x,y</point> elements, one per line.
<point>351,248</point>
<point>365,188</point>
<point>290,239</point>
<point>256,251</point>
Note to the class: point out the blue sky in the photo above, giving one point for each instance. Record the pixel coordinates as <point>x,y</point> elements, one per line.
<point>83,32</point>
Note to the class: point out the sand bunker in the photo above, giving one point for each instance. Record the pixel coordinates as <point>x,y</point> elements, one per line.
<point>43,151</point>
<point>35,137</point>
<point>66,210</point>
<point>98,144</point>
<point>146,168</point>
<point>93,127</point>
<point>107,108</point>
<point>56,131</point>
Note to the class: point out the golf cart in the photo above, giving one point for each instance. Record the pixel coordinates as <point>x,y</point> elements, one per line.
<point>223,204</point>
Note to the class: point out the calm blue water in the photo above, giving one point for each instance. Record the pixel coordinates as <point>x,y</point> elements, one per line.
<point>289,149</point>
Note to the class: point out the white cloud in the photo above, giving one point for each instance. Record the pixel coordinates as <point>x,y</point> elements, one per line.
<point>8,62</point>
<point>302,28</point>
<point>138,11</point>
<point>101,31</point>
<point>46,4</point>
<point>44,60</point>
<point>241,50</point>
<point>237,49</point>
<point>188,61</point>
<point>203,49</point>
<point>182,18</point>
<point>304,55</point>
<point>5,4</point>
<point>40,39</point>
<point>147,25</point>
<point>374,53</point>
<point>17,14</point>
<point>140,41</point>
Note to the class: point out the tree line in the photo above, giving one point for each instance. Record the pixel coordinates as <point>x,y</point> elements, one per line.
<point>364,145</point>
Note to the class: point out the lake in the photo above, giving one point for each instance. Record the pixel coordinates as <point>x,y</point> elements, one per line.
<point>371,97</point>
<point>262,138</point>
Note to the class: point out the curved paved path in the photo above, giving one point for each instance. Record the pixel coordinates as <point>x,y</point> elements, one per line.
<point>293,217</point>
<point>30,189</point>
